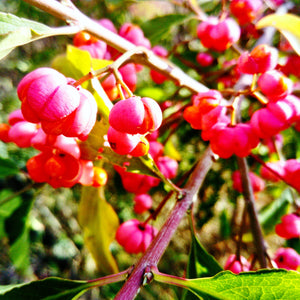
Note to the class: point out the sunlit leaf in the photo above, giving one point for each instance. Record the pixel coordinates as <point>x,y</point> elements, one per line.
<point>263,284</point>
<point>15,31</point>
<point>287,24</point>
<point>99,222</point>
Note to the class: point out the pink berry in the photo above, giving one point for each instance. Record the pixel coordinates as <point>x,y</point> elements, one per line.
<point>45,142</point>
<point>289,227</point>
<point>142,202</point>
<point>50,99</point>
<point>136,115</point>
<point>21,133</point>
<point>261,59</point>
<point>218,35</point>
<point>136,183</point>
<point>245,10</point>
<point>96,50</point>
<point>134,34</point>
<point>287,258</point>
<point>237,265</point>
<point>239,140</point>
<point>292,173</point>
<point>157,77</point>
<point>134,236</point>
<point>122,142</point>
<point>257,183</point>
<point>15,117</point>
<point>275,85</point>
<point>292,66</point>
<point>277,167</point>
<point>204,59</point>
<point>168,166</point>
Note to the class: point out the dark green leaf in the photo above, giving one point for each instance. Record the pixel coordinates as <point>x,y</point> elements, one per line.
<point>49,288</point>
<point>159,28</point>
<point>8,167</point>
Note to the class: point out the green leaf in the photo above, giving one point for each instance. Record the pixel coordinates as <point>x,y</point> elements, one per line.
<point>263,284</point>
<point>50,288</point>
<point>159,28</point>
<point>15,31</point>
<point>200,263</point>
<point>271,214</point>
<point>8,167</point>
<point>99,222</point>
<point>287,24</point>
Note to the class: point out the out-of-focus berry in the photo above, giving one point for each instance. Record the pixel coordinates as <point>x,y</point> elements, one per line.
<point>237,265</point>
<point>287,258</point>
<point>245,10</point>
<point>142,203</point>
<point>289,227</point>
<point>257,183</point>
<point>218,34</point>
<point>261,59</point>
<point>204,59</point>
<point>134,236</point>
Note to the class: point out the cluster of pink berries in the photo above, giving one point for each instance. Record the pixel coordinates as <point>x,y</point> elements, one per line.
<point>285,258</point>
<point>54,114</point>
<point>140,235</point>
<point>130,120</point>
<point>209,114</point>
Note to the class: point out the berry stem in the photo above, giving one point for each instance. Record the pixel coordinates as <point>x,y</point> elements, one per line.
<point>259,242</point>
<point>156,249</point>
<point>110,278</point>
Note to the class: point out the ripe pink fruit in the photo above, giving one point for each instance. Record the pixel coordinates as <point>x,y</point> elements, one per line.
<point>134,34</point>
<point>239,140</point>
<point>278,168</point>
<point>261,59</point>
<point>218,35</point>
<point>168,166</point>
<point>237,265</point>
<point>287,258</point>
<point>289,227</point>
<point>245,10</point>
<point>257,183</point>
<point>50,99</point>
<point>275,85</point>
<point>269,121</point>
<point>46,142</point>
<point>135,115</point>
<point>292,66</point>
<point>122,142</point>
<point>204,59</point>
<point>21,133</point>
<point>142,203</point>
<point>292,173</point>
<point>134,236</point>
<point>15,117</point>
<point>136,183</point>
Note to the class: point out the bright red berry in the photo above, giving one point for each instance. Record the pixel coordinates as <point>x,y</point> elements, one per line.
<point>204,59</point>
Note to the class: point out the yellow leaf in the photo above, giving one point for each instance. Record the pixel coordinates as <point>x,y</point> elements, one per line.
<point>287,24</point>
<point>99,222</point>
